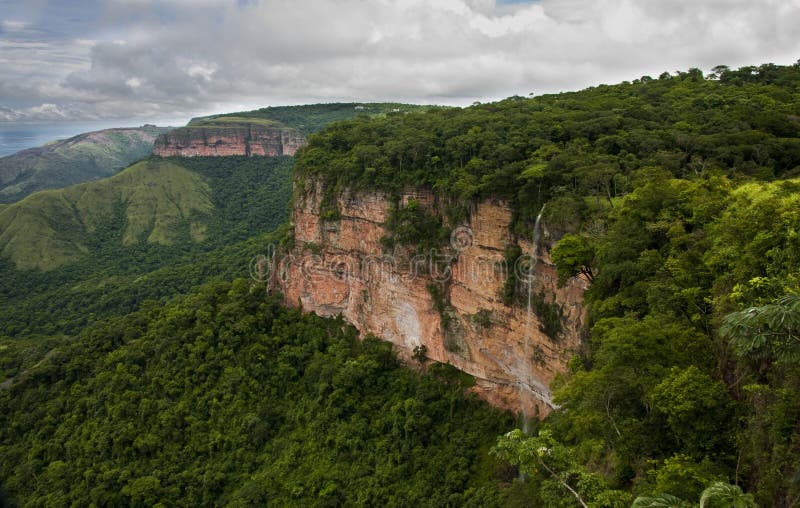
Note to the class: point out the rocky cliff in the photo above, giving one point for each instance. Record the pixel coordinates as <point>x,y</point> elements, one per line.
<point>215,137</point>
<point>456,311</point>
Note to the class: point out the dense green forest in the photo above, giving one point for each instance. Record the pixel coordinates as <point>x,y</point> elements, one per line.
<point>226,398</point>
<point>678,198</point>
<point>563,148</point>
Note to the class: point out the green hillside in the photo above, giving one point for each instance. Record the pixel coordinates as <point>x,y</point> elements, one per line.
<point>82,158</point>
<point>153,231</point>
<point>153,201</point>
<point>743,124</point>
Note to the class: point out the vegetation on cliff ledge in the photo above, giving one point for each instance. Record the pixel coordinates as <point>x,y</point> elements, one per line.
<point>566,148</point>
<point>310,118</point>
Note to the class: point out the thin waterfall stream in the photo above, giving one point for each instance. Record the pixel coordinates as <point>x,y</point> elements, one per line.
<point>534,257</point>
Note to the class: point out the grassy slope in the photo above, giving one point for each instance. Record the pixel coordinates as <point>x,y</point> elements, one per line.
<point>160,203</point>
<point>81,158</point>
<point>49,230</point>
<point>249,197</point>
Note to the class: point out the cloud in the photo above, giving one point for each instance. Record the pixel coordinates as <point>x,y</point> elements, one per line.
<point>8,114</point>
<point>148,58</point>
<point>41,112</point>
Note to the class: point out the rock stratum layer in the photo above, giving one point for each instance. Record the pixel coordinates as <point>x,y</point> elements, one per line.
<point>339,267</point>
<point>229,138</point>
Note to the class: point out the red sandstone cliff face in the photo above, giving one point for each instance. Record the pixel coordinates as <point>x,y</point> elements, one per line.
<point>339,267</point>
<point>229,139</point>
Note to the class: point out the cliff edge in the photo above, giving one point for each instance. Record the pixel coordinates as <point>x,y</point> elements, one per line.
<point>454,308</point>
<point>229,136</point>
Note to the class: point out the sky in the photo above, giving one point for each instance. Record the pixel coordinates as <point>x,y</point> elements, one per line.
<point>166,61</point>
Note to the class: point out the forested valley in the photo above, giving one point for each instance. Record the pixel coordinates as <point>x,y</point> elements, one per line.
<point>677,198</point>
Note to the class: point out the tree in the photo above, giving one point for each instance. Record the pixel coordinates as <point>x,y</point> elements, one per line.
<point>722,495</point>
<point>717,495</point>
<point>542,455</point>
<point>769,331</point>
<point>697,409</point>
<point>717,71</point>
<point>573,255</point>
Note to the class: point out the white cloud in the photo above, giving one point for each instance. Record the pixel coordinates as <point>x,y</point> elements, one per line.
<point>41,112</point>
<point>8,114</point>
<point>183,58</point>
<point>13,25</point>
<point>48,111</point>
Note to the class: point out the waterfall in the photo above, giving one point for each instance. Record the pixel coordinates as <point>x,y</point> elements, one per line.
<point>534,257</point>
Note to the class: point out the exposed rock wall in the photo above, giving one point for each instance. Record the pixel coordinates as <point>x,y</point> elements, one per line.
<point>230,139</point>
<point>339,267</point>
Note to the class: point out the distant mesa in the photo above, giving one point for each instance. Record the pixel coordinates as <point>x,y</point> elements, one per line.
<point>274,130</point>
<point>230,135</point>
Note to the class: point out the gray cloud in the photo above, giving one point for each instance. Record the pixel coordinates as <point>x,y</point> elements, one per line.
<point>153,59</point>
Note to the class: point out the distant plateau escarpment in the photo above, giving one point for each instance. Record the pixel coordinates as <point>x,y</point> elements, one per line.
<point>224,136</point>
